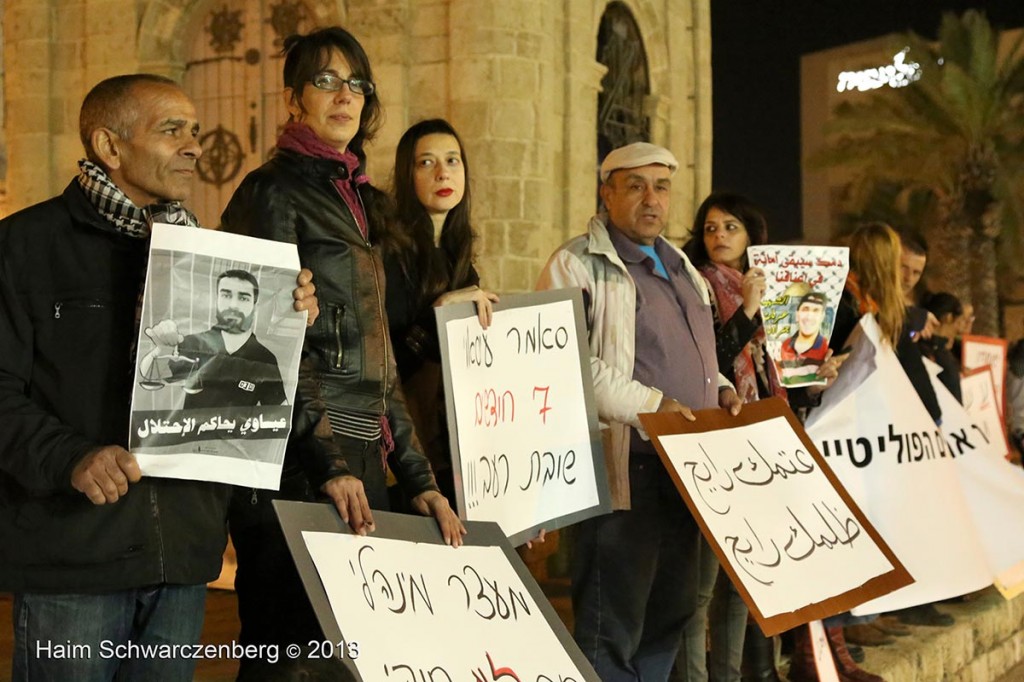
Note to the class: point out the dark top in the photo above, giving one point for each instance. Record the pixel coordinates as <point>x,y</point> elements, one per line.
<point>411,320</point>
<point>68,291</point>
<point>414,337</point>
<point>909,352</point>
<point>292,198</point>
<point>730,340</point>
<point>936,349</point>
<point>245,378</point>
<point>675,338</point>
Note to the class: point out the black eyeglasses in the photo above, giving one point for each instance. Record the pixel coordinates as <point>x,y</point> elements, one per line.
<point>331,83</point>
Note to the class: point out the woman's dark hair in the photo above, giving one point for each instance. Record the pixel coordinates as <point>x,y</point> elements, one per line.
<point>307,55</point>
<point>736,204</point>
<point>413,242</point>
<point>943,303</point>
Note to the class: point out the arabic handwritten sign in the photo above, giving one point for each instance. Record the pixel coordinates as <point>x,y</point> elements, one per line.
<point>782,525</point>
<point>403,595</point>
<point>903,471</point>
<point>522,422</point>
<point>218,356</point>
<point>981,351</point>
<point>803,287</point>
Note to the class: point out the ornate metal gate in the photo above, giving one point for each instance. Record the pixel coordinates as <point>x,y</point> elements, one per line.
<point>234,77</point>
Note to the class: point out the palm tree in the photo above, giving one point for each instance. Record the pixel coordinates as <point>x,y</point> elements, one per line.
<point>953,140</point>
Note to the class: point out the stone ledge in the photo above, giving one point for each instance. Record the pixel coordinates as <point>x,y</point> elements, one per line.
<point>985,643</point>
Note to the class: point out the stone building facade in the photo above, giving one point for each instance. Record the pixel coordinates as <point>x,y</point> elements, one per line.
<point>520,79</point>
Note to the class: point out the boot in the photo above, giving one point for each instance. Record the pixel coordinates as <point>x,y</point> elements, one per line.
<point>758,656</point>
<point>845,666</point>
<point>801,662</point>
<point>866,634</point>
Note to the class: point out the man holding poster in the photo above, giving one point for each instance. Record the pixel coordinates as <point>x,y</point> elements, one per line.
<point>93,552</point>
<point>652,349</point>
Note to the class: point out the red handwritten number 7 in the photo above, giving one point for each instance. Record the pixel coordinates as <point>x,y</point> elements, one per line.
<point>544,410</point>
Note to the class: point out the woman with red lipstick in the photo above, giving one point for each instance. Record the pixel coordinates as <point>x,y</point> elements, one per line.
<point>429,263</point>
<point>313,193</point>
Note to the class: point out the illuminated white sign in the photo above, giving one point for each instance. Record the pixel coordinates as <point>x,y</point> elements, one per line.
<point>899,74</point>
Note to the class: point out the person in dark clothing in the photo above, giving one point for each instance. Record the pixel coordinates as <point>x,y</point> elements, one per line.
<point>724,226</point>
<point>223,366</point>
<point>428,261</point>
<point>313,193</point>
<point>948,310</point>
<point>93,551</point>
<point>920,324</point>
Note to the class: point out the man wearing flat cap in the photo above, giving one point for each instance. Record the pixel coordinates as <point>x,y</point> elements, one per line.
<point>652,346</point>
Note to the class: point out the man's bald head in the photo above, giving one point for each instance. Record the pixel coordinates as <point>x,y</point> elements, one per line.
<point>111,105</point>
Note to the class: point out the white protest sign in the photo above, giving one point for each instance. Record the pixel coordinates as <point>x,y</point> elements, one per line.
<point>981,351</point>
<point>422,611</point>
<point>803,285</point>
<point>896,464</point>
<point>784,528</point>
<point>993,488</point>
<point>977,388</point>
<point>521,414</point>
<point>218,357</point>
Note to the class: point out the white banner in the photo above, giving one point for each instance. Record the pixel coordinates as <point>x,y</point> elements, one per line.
<point>895,462</point>
<point>993,487</point>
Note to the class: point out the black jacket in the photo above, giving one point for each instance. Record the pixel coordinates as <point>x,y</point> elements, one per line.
<point>68,291</point>
<point>292,198</point>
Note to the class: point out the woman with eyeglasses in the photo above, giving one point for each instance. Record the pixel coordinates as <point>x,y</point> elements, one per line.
<point>313,193</point>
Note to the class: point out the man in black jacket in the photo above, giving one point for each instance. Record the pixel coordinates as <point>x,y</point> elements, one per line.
<point>101,561</point>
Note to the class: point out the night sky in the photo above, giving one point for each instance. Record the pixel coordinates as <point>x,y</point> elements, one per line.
<point>755,55</point>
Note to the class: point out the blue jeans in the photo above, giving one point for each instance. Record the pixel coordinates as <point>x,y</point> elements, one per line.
<point>721,612</point>
<point>728,620</point>
<point>634,579</point>
<point>86,637</point>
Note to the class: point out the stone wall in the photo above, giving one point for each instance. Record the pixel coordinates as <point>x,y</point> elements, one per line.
<point>518,80</point>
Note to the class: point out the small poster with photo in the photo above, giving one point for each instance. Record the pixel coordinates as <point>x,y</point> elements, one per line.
<point>803,285</point>
<point>217,358</point>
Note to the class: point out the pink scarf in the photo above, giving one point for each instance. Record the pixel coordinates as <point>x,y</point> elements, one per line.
<point>300,138</point>
<point>727,283</point>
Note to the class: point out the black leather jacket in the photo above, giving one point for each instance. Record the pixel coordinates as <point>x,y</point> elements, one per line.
<point>292,198</point>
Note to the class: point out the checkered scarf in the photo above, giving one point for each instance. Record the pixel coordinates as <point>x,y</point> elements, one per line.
<point>121,214</point>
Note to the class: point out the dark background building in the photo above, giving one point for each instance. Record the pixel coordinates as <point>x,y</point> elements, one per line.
<point>755,54</point>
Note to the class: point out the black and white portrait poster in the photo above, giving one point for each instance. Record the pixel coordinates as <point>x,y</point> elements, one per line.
<point>217,357</point>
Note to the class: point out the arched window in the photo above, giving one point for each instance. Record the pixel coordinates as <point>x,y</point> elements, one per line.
<point>620,106</point>
<point>233,74</point>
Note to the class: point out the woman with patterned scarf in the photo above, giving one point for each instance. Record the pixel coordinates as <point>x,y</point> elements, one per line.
<point>314,193</point>
<point>725,225</point>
